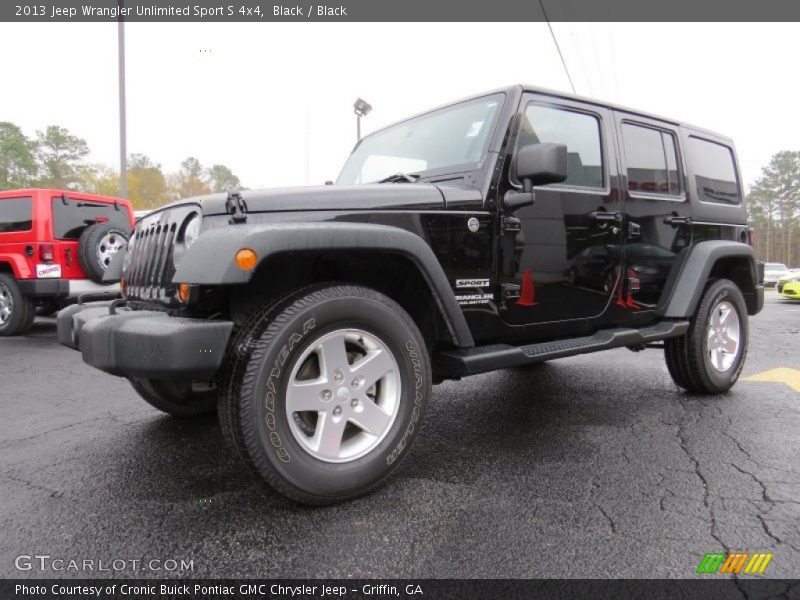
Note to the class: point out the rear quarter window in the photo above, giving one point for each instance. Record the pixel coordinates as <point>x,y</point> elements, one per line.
<point>16,214</point>
<point>714,171</point>
<point>72,216</point>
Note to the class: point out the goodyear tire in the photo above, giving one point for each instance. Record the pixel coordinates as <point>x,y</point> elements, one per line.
<point>325,391</point>
<point>16,310</point>
<point>709,358</point>
<point>97,246</point>
<point>177,398</point>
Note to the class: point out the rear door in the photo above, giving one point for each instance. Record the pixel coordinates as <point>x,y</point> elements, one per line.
<point>656,208</point>
<point>17,232</point>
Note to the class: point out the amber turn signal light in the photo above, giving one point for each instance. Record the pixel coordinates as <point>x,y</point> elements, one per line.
<point>246,259</point>
<point>183,292</point>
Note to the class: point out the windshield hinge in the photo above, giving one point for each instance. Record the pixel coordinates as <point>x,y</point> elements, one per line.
<point>236,207</point>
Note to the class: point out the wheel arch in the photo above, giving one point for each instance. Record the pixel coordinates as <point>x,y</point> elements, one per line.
<point>394,261</point>
<point>714,259</point>
<point>14,265</point>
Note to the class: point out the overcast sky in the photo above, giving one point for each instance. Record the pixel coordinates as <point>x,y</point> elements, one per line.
<point>274,101</point>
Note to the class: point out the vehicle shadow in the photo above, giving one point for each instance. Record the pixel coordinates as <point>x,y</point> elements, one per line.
<point>43,327</point>
<point>517,417</point>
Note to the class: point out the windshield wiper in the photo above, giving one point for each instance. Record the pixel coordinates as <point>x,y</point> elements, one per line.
<point>400,178</point>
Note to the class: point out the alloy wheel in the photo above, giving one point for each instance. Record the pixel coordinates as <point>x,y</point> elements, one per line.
<point>343,395</point>
<point>6,304</point>
<point>724,331</point>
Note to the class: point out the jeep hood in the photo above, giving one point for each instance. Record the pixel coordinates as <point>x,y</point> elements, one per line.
<point>386,196</point>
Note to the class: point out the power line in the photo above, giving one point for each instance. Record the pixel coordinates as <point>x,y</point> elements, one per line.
<point>555,41</point>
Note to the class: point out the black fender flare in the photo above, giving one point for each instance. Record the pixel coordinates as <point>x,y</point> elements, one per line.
<point>688,285</point>
<point>211,259</point>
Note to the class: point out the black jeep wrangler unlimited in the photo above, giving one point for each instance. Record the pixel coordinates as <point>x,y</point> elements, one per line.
<point>504,230</point>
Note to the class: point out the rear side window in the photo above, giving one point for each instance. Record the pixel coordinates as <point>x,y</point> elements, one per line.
<point>579,131</point>
<point>71,217</point>
<point>652,160</point>
<point>715,171</point>
<point>16,214</point>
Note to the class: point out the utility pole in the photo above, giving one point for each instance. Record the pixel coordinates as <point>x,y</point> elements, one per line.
<point>123,142</point>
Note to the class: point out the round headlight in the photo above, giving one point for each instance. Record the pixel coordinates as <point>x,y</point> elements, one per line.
<point>191,230</point>
<point>126,260</point>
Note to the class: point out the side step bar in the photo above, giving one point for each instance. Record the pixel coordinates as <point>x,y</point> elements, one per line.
<point>471,361</point>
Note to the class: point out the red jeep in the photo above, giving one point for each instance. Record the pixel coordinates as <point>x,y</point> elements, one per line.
<point>55,246</point>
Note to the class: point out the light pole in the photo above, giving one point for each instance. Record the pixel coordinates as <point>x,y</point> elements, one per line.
<point>361,108</point>
<point>123,142</point>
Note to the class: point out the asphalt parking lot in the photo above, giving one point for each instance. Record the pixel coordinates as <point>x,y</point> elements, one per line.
<point>593,466</point>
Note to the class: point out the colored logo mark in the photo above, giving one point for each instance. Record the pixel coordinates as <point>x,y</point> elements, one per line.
<point>736,562</point>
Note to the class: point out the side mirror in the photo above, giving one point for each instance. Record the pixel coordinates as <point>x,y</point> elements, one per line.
<point>540,164</point>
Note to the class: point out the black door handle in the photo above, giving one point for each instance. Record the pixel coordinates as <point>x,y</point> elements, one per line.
<point>676,220</point>
<point>601,215</point>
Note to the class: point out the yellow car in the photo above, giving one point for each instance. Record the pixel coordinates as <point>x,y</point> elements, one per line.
<point>789,287</point>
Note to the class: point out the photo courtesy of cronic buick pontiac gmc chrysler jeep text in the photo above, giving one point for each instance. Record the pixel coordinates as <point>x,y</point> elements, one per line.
<point>504,230</point>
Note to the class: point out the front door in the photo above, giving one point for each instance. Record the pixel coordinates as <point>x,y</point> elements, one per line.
<point>566,257</point>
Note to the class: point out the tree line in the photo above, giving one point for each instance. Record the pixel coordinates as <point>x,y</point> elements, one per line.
<point>774,210</point>
<point>55,158</point>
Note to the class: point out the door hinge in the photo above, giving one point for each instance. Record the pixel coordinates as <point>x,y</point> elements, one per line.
<point>236,207</point>
<point>510,224</point>
<point>510,291</point>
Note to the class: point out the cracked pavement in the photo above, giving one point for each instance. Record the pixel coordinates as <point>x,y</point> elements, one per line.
<point>593,466</point>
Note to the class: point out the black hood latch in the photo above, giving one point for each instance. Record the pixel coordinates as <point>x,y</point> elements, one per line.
<point>236,207</point>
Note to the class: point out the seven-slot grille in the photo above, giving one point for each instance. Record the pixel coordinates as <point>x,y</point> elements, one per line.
<point>149,275</point>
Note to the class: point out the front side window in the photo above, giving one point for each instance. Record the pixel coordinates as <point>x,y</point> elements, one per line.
<point>16,214</point>
<point>579,131</point>
<point>455,137</point>
<point>715,171</point>
<point>651,156</point>
<point>71,216</point>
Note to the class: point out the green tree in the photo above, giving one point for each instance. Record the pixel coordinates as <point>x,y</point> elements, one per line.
<point>17,157</point>
<point>59,154</point>
<point>222,179</point>
<point>774,203</point>
<point>99,179</point>
<point>189,181</point>
<point>147,186</point>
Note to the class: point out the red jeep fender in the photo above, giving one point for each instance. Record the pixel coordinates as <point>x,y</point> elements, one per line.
<point>19,266</point>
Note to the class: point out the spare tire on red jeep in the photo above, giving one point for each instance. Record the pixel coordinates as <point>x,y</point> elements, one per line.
<point>97,246</point>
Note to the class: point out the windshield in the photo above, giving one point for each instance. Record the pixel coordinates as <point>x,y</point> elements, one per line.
<point>455,136</point>
<point>775,267</point>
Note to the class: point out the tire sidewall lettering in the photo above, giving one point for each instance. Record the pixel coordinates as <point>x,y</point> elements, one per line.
<point>270,419</point>
<point>418,399</point>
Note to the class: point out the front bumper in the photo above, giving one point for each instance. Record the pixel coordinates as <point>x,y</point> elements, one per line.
<point>144,344</point>
<point>757,301</point>
<point>65,288</point>
<point>791,291</point>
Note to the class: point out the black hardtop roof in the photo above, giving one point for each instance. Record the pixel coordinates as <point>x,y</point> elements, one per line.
<point>520,88</point>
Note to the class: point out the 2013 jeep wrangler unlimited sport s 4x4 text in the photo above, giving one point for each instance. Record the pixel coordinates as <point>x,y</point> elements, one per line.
<point>504,230</point>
